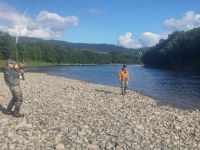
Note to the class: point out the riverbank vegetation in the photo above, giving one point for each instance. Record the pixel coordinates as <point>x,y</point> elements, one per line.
<point>41,52</point>
<point>180,51</point>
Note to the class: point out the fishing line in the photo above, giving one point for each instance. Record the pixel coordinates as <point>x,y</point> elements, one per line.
<point>19,27</point>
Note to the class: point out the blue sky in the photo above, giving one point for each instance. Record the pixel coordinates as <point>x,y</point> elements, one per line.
<point>128,23</point>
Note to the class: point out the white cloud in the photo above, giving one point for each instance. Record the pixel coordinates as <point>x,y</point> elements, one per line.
<point>146,39</point>
<point>47,25</point>
<point>54,21</point>
<point>189,21</point>
<point>149,38</point>
<point>127,40</point>
<point>8,16</point>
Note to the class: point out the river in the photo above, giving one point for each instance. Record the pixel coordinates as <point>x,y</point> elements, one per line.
<point>175,88</point>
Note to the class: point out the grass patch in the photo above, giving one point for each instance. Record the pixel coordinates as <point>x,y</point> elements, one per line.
<point>2,63</point>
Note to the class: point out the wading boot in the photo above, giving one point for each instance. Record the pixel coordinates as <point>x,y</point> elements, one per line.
<point>123,93</point>
<point>17,114</point>
<point>9,111</point>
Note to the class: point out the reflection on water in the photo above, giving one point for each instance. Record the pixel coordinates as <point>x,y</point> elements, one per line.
<point>176,88</point>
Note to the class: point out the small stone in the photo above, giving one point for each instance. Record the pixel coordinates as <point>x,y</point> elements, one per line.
<point>178,128</point>
<point>140,127</point>
<point>180,118</point>
<point>128,131</point>
<point>168,141</point>
<point>157,113</point>
<point>86,140</point>
<point>176,137</point>
<point>92,146</point>
<point>10,135</point>
<point>86,127</point>
<point>44,130</point>
<point>119,148</point>
<point>12,147</point>
<point>81,134</point>
<point>73,136</point>
<point>79,141</point>
<point>1,131</point>
<point>56,141</point>
<point>60,147</point>
<point>109,146</point>
<point>151,146</point>
<point>103,144</point>
<point>175,143</point>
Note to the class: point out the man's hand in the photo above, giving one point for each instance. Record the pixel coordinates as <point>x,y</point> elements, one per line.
<point>16,66</point>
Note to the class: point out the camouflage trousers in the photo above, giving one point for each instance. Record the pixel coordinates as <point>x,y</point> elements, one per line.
<point>17,98</point>
<point>124,86</point>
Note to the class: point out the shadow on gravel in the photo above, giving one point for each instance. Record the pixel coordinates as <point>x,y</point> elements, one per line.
<point>2,109</point>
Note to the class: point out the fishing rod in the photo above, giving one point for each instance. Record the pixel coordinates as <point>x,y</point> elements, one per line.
<point>19,27</point>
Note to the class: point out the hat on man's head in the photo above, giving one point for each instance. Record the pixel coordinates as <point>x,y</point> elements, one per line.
<point>124,66</point>
<point>10,61</point>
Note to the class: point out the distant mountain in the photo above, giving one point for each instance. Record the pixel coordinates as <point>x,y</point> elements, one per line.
<point>80,46</point>
<point>59,52</point>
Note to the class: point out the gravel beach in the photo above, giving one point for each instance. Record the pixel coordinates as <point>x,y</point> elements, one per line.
<point>62,114</point>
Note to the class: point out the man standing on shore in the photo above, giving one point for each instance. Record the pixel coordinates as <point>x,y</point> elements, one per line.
<point>123,78</point>
<point>12,79</point>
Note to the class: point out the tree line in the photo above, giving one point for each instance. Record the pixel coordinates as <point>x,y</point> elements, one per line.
<point>180,51</point>
<point>42,51</point>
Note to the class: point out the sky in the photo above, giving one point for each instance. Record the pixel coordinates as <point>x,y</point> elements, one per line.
<point>127,23</point>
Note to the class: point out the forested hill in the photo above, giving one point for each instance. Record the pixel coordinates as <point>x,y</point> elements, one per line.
<point>180,51</point>
<point>57,52</point>
<point>81,46</point>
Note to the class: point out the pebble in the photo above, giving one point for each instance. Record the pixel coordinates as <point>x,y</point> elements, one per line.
<point>140,126</point>
<point>93,147</point>
<point>109,146</point>
<point>60,147</point>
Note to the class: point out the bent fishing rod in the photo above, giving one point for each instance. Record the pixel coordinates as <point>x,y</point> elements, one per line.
<point>19,27</point>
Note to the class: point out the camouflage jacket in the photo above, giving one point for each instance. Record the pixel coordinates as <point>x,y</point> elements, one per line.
<point>11,76</point>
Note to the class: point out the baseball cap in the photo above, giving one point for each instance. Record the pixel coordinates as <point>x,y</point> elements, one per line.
<point>10,61</point>
<point>124,66</point>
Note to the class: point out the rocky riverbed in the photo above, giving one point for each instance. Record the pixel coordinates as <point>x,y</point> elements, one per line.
<point>63,113</point>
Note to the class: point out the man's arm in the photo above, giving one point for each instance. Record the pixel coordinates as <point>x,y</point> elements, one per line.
<point>119,76</point>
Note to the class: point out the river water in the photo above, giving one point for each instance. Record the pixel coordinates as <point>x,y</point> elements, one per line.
<point>175,88</point>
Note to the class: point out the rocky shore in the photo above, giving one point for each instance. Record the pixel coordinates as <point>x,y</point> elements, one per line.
<point>63,113</point>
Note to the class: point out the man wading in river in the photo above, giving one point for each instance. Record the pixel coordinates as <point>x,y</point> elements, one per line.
<point>123,78</point>
<point>12,79</point>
